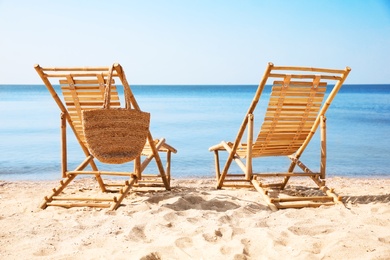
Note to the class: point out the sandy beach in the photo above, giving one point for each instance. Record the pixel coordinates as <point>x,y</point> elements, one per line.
<point>196,221</point>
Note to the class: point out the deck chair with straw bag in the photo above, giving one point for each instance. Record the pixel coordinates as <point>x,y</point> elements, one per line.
<point>112,134</point>
<point>297,106</point>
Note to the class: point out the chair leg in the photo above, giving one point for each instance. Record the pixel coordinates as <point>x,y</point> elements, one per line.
<point>323,147</point>
<point>165,176</point>
<point>64,183</point>
<point>168,166</point>
<point>64,152</point>
<point>57,191</point>
<point>217,166</point>
<point>123,191</point>
<point>137,166</point>
<point>264,193</point>
<point>290,170</point>
<point>158,161</point>
<point>248,168</point>
<point>228,162</point>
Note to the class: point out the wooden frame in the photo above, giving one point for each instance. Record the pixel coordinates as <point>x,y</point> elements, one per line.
<point>296,108</point>
<point>83,88</point>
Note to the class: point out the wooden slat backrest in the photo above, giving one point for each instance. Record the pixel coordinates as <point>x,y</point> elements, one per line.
<point>82,92</point>
<point>292,110</point>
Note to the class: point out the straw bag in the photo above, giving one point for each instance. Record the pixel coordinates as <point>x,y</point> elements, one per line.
<point>115,135</point>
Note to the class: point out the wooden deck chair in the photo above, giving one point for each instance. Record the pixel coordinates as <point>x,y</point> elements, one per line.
<point>83,89</point>
<point>296,108</point>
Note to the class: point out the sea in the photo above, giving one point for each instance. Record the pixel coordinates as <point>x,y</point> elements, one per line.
<point>192,118</point>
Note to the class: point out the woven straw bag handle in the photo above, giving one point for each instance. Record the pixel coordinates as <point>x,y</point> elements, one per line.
<point>107,92</point>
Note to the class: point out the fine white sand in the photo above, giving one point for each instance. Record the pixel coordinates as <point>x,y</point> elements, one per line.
<point>196,221</point>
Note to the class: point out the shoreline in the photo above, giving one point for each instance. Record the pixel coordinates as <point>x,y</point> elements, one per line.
<point>196,221</point>
<point>209,177</point>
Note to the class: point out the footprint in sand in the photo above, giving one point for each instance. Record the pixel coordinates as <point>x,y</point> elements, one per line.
<point>309,231</point>
<point>229,251</point>
<point>137,234</point>
<point>225,219</point>
<point>172,216</point>
<point>184,242</point>
<point>247,244</point>
<point>45,250</point>
<point>282,239</point>
<point>195,202</point>
<point>151,256</point>
<point>212,237</point>
<point>218,205</point>
<point>237,231</point>
<point>385,240</point>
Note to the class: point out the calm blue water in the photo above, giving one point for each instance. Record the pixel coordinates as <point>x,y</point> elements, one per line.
<point>193,118</point>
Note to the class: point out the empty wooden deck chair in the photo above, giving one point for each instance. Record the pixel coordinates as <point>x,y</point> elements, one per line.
<point>297,106</point>
<point>82,89</point>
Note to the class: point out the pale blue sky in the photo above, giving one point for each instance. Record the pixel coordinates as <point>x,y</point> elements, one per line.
<point>195,42</point>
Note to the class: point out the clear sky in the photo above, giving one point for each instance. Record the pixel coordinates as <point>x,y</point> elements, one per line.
<point>195,41</point>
